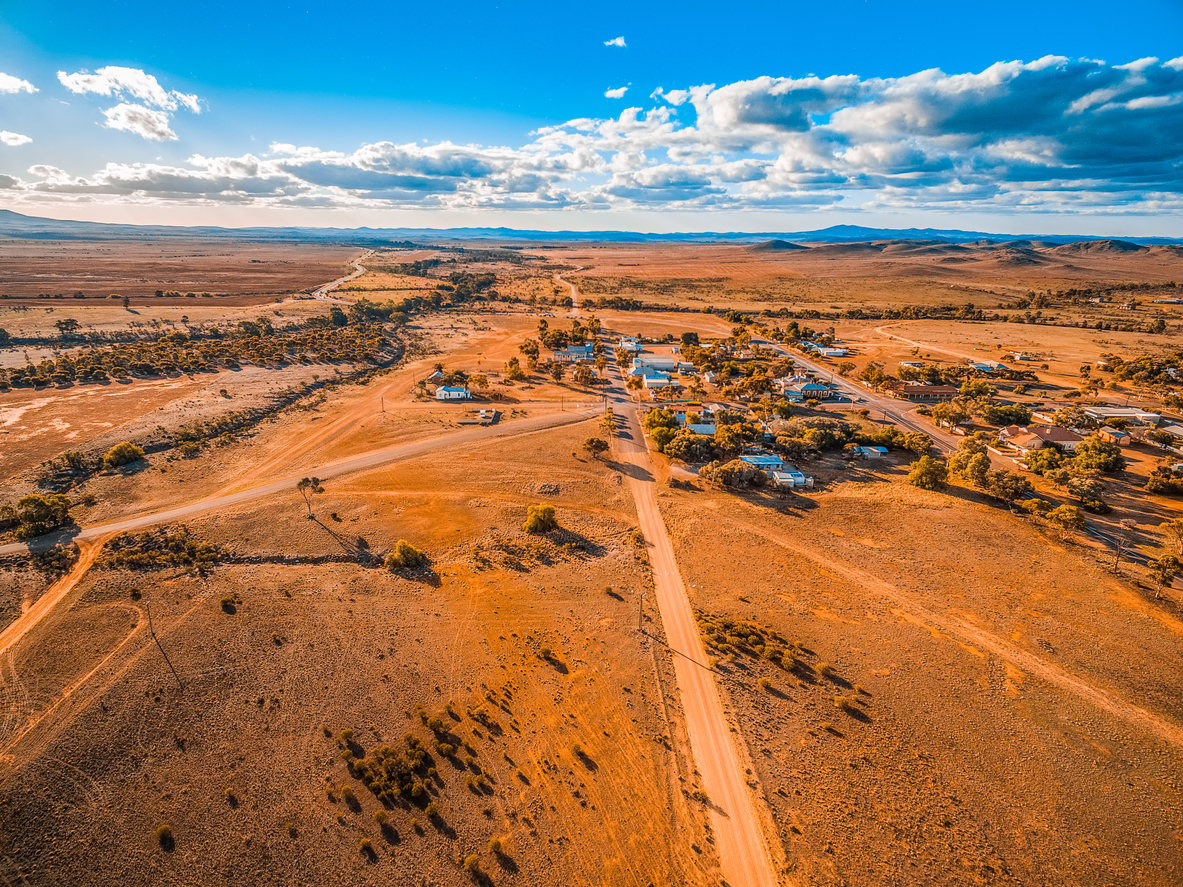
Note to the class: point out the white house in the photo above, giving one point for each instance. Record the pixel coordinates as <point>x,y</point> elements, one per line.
<point>661,364</point>
<point>450,392</point>
<point>628,343</point>
<point>764,463</point>
<point>869,452</point>
<point>655,380</point>
<point>790,478</point>
<point>574,353</point>
<point>703,428</point>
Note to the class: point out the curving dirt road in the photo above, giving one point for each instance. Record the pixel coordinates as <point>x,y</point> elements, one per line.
<point>574,291</point>
<point>54,596</point>
<point>320,292</point>
<point>735,820</point>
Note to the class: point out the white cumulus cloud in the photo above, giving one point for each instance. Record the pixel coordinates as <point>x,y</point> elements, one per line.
<point>146,122</point>
<point>617,93</point>
<point>13,139</point>
<point>1051,135</point>
<point>615,41</point>
<point>150,114</point>
<point>10,84</point>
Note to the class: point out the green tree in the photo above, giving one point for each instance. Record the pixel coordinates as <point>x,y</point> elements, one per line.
<point>122,454</point>
<point>513,370</point>
<point>38,514</point>
<point>951,412</point>
<point>1096,452</point>
<point>917,442</point>
<point>1044,460</point>
<point>1163,571</point>
<point>928,473</point>
<point>595,446</point>
<point>975,388</point>
<point>1009,486</point>
<point>1067,517</point>
<point>540,518</point>
<point>1173,532</point>
<point>309,487</point>
<point>557,371</point>
<point>1086,485</point>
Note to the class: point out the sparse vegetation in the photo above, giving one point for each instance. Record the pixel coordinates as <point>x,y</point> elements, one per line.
<point>540,519</point>
<point>404,556</point>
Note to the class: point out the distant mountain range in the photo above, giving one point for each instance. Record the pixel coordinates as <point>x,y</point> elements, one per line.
<point>16,226</point>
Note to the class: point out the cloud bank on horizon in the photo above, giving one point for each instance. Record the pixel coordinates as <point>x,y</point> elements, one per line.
<point>1051,135</point>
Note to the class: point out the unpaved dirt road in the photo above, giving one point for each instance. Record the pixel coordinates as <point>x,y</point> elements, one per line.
<point>325,472</point>
<point>322,292</point>
<point>735,820</point>
<point>54,596</point>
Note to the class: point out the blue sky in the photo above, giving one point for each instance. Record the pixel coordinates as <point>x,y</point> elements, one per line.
<point>1016,117</point>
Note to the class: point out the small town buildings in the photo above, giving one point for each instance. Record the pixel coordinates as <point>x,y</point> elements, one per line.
<point>451,392</point>
<point>920,393</point>
<point>790,478</point>
<point>914,364</point>
<point>764,463</point>
<point>703,428</point>
<point>574,354</point>
<point>1130,414</point>
<point>869,452</point>
<point>1038,437</point>
<point>650,362</point>
<point>655,380</point>
<point>633,346</point>
<point>1115,435</point>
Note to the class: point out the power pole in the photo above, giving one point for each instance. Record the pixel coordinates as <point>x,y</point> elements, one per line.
<point>152,631</point>
<point>641,612</point>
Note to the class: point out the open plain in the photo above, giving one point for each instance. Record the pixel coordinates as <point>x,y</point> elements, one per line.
<point>308,629</point>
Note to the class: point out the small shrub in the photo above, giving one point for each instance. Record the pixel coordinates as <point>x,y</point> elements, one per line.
<point>843,703</point>
<point>405,556</point>
<point>164,836</point>
<point>544,652</point>
<point>122,454</point>
<point>765,684</point>
<point>472,863</point>
<point>494,845</point>
<point>365,847</point>
<point>347,735</point>
<point>540,519</point>
<point>825,669</point>
<point>432,809</point>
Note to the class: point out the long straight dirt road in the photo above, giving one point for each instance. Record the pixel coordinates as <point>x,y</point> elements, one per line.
<point>327,471</point>
<point>735,820</point>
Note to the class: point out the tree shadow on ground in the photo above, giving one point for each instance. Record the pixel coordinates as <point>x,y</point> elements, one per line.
<point>628,469</point>
<point>356,546</point>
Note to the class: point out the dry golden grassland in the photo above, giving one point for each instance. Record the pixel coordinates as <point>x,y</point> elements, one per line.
<point>984,676</point>
<point>970,697</point>
<point>559,720</point>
